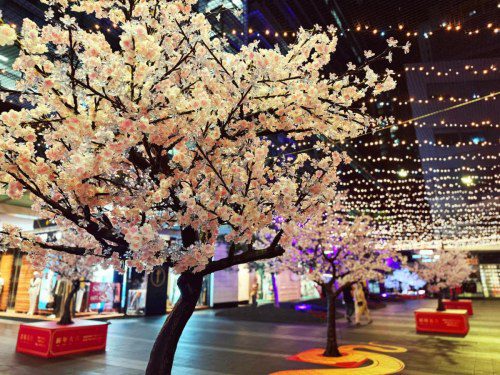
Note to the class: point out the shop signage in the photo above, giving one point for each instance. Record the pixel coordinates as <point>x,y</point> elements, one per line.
<point>448,321</point>
<point>158,277</point>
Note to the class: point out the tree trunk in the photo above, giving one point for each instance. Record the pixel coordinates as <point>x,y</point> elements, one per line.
<point>454,295</point>
<point>440,306</point>
<point>161,358</point>
<point>332,348</point>
<point>66,315</point>
<point>275,290</point>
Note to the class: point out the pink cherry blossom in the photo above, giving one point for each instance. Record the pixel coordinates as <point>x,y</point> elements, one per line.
<point>7,35</point>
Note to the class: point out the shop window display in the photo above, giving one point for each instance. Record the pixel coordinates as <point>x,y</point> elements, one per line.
<point>490,277</point>
<point>24,291</point>
<point>6,261</point>
<point>15,270</point>
<point>373,287</point>
<point>136,295</point>
<point>308,288</point>
<point>104,294</point>
<point>46,298</point>
<point>34,292</point>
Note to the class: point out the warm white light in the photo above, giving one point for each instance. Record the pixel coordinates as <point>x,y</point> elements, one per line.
<point>403,173</point>
<point>467,180</point>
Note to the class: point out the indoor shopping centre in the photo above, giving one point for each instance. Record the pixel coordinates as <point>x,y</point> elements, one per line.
<point>249,187</point>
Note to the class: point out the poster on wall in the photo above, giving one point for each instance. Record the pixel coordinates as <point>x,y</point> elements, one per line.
<point>101,293</point>
<point>136,302</point>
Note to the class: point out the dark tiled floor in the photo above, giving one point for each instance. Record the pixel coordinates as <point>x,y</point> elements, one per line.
<point>215,346</point>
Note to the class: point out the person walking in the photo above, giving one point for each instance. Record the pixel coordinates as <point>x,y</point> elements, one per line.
<point>348,301</point>
<point>360,306</point>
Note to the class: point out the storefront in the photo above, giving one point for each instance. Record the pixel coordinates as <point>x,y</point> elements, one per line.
<point>11,263</point>
<point>44,293</point>
<point>157,292</point>
<point>173,292</point>
<point>291,287</point>
<point>487,275</point>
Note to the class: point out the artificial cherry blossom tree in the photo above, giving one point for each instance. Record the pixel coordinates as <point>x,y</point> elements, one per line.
<point>448,269</point>
<point>403,278</point>
<point>157,125</point>
<point>73,268</point>
<point>335,251</point>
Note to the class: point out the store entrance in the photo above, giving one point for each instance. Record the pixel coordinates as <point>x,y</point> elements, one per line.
<point>14,279</point>
<point>156,299</point>
<point>173,293</point>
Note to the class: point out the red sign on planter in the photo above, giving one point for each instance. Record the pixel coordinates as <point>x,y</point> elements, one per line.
<point>448,321</point>
<point>48,339</point>
<point>462,304</point>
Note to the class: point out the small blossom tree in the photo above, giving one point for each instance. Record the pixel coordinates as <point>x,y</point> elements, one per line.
<point>334,251</point>
<point>73,268</point>
<point>404,279</point>
<point>157,125</point>
<point>448,269</point>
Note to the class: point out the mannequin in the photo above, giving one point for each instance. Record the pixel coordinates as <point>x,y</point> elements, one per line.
<point>79,296</point>
<point>34,291</point>
<point>59,291</point>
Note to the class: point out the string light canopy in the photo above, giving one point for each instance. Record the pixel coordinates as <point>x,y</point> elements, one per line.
<point>382,31</point>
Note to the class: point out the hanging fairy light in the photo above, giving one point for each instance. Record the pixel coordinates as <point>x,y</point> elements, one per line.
<point>403,173</point>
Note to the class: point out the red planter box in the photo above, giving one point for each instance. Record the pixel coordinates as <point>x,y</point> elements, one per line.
<point>449,321</point>
<point>411,296</point>
<point>462,304</point>
<point>48,339</point>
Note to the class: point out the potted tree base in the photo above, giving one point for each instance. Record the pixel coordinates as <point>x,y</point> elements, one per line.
<point>449,269</point>
<point>66,336</point>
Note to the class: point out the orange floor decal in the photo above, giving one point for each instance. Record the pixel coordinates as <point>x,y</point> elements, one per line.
<point>379,364</point>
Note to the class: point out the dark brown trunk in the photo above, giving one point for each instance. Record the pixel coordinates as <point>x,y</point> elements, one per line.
<point>332,347</point>
<point>440,306</point>
<point>454,295</point>
<point>275,290</point>
<point>161,358</point>
<point>66,315</point>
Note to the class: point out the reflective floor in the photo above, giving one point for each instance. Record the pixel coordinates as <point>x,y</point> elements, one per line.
<point>214,346</point>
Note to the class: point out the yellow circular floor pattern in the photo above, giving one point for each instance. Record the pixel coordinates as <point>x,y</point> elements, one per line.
<point>380,364</point>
